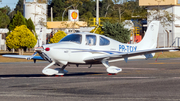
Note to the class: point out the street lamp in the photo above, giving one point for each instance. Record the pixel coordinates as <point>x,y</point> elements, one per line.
<point>64,11</point>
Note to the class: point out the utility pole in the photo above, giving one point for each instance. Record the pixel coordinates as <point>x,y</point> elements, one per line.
<point>51,14</point>
<point>97,12</point>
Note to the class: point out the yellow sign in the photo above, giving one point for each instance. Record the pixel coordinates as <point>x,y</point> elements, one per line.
<point>137,31</point>
<point>74,15</point>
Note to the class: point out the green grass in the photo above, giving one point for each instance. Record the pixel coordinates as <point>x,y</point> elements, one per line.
<point>168,54</point>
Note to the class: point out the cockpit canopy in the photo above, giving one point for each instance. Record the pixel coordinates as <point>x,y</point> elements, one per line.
<point>90,39</point>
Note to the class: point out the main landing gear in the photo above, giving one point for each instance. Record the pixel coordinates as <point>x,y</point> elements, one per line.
<point>112,70</point>
<point>57,71</point>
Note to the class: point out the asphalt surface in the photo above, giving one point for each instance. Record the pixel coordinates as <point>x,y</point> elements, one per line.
<point>140,80</point>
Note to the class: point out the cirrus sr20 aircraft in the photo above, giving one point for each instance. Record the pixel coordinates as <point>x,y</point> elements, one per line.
<point>90,48</point>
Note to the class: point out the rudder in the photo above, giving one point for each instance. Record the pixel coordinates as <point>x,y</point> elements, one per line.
<point>150,39</point>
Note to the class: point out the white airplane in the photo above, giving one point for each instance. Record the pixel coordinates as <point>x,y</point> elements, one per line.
<point>90,48</point>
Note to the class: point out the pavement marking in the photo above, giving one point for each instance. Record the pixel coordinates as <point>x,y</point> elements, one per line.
<point>141,68</point>
<point>166,63</point>
<point>5,78</point>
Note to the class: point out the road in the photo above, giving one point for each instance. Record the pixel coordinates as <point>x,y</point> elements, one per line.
<point>140,80</point>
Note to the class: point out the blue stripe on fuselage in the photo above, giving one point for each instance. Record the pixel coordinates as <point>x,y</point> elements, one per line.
<point>89,50</point>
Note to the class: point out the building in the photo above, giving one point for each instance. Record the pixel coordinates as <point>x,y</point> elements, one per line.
<point>37,11</point>
<point>66,26</point>
<point>3,33</point>
<point>169,35</point>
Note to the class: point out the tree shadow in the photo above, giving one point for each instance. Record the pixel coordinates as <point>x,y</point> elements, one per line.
<point>9,54</point>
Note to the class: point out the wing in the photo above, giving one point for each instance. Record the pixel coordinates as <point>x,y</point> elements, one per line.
<point>24,57</point>
<point>125,55</point>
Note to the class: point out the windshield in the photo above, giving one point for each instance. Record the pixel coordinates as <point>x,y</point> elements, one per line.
<point>72,38</point>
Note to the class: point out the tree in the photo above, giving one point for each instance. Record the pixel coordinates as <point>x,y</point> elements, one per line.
<point>57,37</point>
<point>8,10</point>
<point>87,9</point>
<point>30,25</point>
<point>116,31</point>
<point>75,3</point>
<point>4,19</point>
<point>18,20</point>
<point>165,17</point>
<point>119,7</point>
<point>19,7</point>
<point>86,17</point>
<point>128,10</point>
<point>58,7</point>
<point>21,37</point>
<point>98,30</point>
<point>11,14</point>
<point>134,11</point>
<point>105,8</point>
<point>49,1</point>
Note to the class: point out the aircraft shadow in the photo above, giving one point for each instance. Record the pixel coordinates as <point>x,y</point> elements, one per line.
<point>22,75</point>
<point>83,73</point>
<point>42,75</point>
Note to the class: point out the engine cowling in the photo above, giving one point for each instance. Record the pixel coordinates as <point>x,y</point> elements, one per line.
<point>113,69</point>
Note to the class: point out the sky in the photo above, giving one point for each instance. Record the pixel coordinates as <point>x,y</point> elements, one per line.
<point>10,3</point>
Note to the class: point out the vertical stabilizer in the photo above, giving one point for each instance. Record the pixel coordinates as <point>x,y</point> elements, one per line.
<point>150,39</point>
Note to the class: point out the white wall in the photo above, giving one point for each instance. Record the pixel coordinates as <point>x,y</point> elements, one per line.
<point>38,13</point>
<point>0,41</point>
<point>174,31</point>
<point>177,21</point>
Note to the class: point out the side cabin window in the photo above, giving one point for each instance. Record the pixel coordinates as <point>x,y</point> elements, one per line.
<point>91,40</point>
<point>103,41</point>
<point>72,38</point>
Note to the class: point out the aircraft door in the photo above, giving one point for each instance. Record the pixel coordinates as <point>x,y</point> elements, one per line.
<point>90,41</point>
